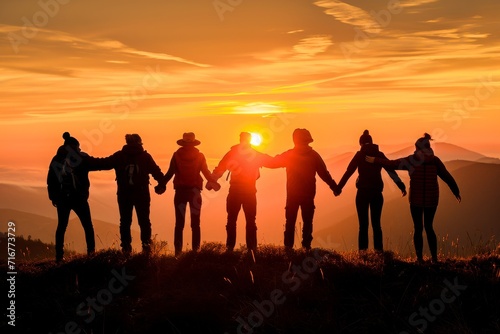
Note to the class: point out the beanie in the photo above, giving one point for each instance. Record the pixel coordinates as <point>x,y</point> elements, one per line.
<point>68,140</point>
<point>365,138</point>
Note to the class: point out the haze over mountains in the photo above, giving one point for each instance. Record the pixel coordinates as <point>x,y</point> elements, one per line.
<point>473,222</point>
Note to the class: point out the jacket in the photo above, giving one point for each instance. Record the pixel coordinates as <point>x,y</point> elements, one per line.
<point>369,175</point>
<point>243,162</point>
<point>424,168</point>
<point>186,164</point>
<point>68,174</point>
<point>144,165</point>
<point>302,163</point>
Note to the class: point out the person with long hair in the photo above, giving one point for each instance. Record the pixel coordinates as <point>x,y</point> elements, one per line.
<point>424,168</point>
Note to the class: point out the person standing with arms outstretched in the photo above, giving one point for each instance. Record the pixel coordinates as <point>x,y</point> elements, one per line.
<point>243,162</point>
<point>186,164</point>
<point>68,188</point>
<point>369,195</point>
<point>133,165</point>
<point>424,168</point>
<point>302,163</point>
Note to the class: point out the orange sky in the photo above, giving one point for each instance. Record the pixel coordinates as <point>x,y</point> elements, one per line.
<point>101,69</point>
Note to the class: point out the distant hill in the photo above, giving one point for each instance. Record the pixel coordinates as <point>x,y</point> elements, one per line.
<point>444,151</point>
<point>35,226</point>
<point>462,229</point>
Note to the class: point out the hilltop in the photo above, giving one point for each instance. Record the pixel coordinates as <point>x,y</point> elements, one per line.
<point>270,292</point>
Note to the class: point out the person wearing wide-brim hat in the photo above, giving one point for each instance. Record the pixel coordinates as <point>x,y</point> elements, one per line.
<point>185,166</point>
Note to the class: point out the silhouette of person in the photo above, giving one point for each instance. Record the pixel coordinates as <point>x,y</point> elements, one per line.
<point>186,164</point>
<point>68,188</point>
<point>243,163</point>
<point>133,165</point>
<point>302,164</point>
<point>369,194</point>
<point>424,168</point>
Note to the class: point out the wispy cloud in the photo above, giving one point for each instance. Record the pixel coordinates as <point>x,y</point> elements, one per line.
<point>349,14</point>
<point>311,46</point>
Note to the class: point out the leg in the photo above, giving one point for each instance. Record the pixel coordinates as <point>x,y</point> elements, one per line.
<point>233,205</point>
<point>362,205</point>
<point>63,210</point>
<point>429,214</point>
<point>307,210</point>
<point>417,216</point>
<point>180,203</point>
<point>125,207</point>
<point>250,209</point>
<point>376,204</point>
<point>195,202</point>
<point>291,211</point>
<point>142,209</point>
<point>82,210</point>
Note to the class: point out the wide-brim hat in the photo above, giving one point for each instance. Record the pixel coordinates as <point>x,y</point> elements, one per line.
<point>188,139</point>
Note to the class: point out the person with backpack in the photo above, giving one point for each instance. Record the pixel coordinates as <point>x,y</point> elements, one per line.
<point>133,165</point>
<point>369,196</point>
<point>302,163</point>
<point>68,189</point>
<point>243,163</point>
<point>186,164</point>
<point>424,168</point>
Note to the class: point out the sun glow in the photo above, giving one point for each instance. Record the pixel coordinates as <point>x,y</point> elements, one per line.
<point>256,139</point>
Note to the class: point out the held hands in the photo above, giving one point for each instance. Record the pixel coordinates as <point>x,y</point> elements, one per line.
<point>212,185</point>
<point>160,189</point>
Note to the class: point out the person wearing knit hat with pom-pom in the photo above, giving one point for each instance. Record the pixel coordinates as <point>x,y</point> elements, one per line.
<point>369,195</point>
<point>424,168</point>
<point>68,187</point>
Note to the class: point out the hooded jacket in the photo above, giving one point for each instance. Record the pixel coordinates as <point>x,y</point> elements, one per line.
<point>424,168</point>
<point>78,186</point>
<point>136,155</point>
<point>186,164</point>
<point>302,163</point>
<point>243,162</point>
<point>369,174</point>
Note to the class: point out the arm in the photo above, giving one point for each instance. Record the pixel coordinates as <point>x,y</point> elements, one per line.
<point>280,160</point>
<point>324,174</point>
<point>172,169</point>
<point>221,167</point>
<point>155,170</point>
<point>53,184</point>
<point>394,176</point>
<point>351,168</point>
<point>448,179</point>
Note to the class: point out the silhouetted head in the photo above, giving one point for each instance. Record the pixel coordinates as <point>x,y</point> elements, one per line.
<point>365,138</point>
<point>133,139</point>
<point>71,141</point>
<point>302,137</point>
<point>423,142</point>
<point>188,139</point>
<point>245,138</point>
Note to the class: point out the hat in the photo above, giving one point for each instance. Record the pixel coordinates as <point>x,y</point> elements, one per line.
<point>188,139</point>
<point>423,142</point>
<point>68,140</point>
<point>365,138</point>
<point>132,139</point>
<point>302,136</point>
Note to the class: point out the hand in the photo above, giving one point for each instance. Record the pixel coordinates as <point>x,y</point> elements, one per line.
<point>160,189</point>
<point>370,159</point>
<point>337,191</point>
<point>459,198</point>
<point>403,192</point>
<point>212,185</point>
<point>54,204</point>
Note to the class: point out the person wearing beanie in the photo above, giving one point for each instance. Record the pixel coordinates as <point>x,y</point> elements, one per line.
<point>302,163</point>
<point>243,163</point>
<point>369,184</point>
<point>68,189</point>
<point>187,164</point>
<point>424,168</point>
<point>133,165</point>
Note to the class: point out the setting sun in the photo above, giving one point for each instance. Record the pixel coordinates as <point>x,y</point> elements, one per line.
<point>256,139</point>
